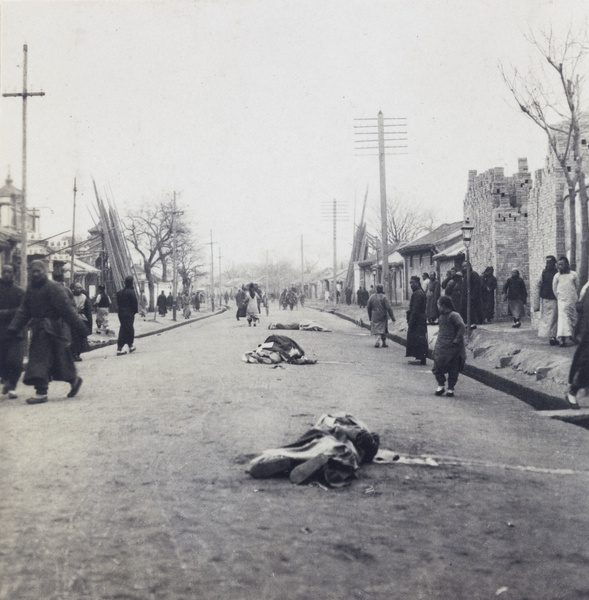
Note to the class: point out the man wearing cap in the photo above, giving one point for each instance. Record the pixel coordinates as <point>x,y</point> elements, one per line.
<point>49,310</point>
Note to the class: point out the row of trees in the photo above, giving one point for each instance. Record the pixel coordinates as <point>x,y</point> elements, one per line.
<point>151,231</point>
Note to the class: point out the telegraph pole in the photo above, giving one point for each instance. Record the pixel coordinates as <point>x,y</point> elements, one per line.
<point>73,235</point>
<point>24,239</point>
<point>302,268</point>
<point>378,142</point>
<point>212,274</point>
<point>174,262</point>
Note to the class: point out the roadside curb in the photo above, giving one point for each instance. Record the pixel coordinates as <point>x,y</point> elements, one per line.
<point>535,398</point>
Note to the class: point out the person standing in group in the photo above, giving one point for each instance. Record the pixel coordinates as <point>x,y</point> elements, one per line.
<point>488,288</point>
<point>11,349</point>
<point>102,305</point>
<point>49,309</point>
<point>432,293</point>
<point>476,303</point>
<point>240,301</point>
<point>82,304</point>
<point>417,346</point>
<point>449,351</point>
<point>565,286</point>
<point>516,294</point>
<point>545,302</point>
<point>454,288</point>
<point>253,307</point>
<point>186,305</point>
<point>379,310</point>
<point>579,371</point>
<point>128,307</point>
<point>162,304</point>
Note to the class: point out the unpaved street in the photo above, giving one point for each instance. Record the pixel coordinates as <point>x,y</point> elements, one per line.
<point>136,490</point>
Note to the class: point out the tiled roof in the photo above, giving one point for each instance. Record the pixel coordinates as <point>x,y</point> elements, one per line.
<point>429,240</point>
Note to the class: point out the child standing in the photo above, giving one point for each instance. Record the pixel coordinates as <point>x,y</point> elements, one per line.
<point>449,353</point>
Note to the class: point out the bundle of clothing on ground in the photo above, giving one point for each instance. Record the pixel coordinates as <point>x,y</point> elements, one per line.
<point>276,349</point>
<point>302,326</point>
<point>331,452</point>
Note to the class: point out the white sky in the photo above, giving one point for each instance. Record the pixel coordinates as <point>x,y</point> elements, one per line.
<point>247,107</point>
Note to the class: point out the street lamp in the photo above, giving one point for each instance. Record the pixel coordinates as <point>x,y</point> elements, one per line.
<point>467,230</point>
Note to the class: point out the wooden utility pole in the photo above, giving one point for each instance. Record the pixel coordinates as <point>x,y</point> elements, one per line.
<point>383,207</point>
<point>334,253</point>
<point>302,268</point>
<point>73,236</point>
<point>174,263</point>
<point>23,218</point>
<point>212,274</point>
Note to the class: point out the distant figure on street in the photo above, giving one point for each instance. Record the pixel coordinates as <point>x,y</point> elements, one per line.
<point>579,371</point>
<point>449,352</point>
<point>488,290</point>
<point>516,294</point>
<point>170,301</point>
<point>49,310</point>
<point>348,295</point>
<point>476,303</point>
<point>417,324</point>
<point>454,288</point>
<point>240,301</point>
<point>162,304</point>
<point>128,307</point>
<point>565,286</point>
<point>379,310</point>
<point>102,305</point>
<point>186,305</point>
<point>545,302</point>
<point>253,308</point>
<point>82,304</point>
<point>432,293</point>
<point>11,348</point>
<point>325,296</point>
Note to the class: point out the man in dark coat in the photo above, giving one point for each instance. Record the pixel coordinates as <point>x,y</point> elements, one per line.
<point>516,294</point>
<point>379,311</point>
<point>417,324</point>
<point>476,302</point>
<point>11,349</point>
<point>162,304</point>
<point>454,288</point>
<point>488,290</point>
<point>49,309</point>
<point>128,307</point>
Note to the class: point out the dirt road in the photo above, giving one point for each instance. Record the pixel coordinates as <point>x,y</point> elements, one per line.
<point>136,490</point>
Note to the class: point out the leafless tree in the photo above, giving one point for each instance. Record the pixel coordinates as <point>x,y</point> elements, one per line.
<point>549,94</point>
<point>405,220</point>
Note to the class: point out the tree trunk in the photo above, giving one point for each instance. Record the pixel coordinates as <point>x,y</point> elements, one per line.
<point>583,270</point>
<point>573,228</point>
<point>150,285</point>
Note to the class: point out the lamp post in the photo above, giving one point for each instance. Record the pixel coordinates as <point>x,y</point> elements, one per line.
<point>467,230</point>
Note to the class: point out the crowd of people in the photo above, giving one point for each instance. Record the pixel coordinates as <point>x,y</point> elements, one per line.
<point>563,316</point>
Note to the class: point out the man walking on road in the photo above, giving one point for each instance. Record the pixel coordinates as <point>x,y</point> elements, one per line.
<point>11,349</point>
<point>128,307</point>
<point>417,345</point>
<point>379,310</point>
<point>48,307</point>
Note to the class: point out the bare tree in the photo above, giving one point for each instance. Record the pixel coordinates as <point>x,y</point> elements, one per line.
<point>550,95</point>
<point>405,220</point>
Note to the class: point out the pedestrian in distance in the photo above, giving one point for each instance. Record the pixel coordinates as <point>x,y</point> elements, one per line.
<point>516,294</point>
<point>11,348</point>
<point>82,304</point>
<point>417,345</point>
<point>128,307</point>
<point>449,351</point>
<point>241,302</point>
<point>48,308</point>
<point>565,286</point>
<point>162,304</point>
<point>102,306</point>
<point>432,293</point>
<point>488,290</point>
<point>545,302</point>
<point>454,288</point>
<point>579,371</point>
<point>379,311</point>
<point>253,306</point>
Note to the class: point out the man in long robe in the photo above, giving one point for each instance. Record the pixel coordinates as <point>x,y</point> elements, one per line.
<point>488,290</point>
<point>566,289</point>
<point>417,346</point>
<point>11,349</point>
<point>48,308</point>
<point>545,302</point>
<point>432,293</point>
<point>379,310</point>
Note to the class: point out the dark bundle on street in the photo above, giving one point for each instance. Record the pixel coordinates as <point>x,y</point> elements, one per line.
<point>330,452</point>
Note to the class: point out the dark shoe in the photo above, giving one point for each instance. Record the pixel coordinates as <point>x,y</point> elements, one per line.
<point>37,399</point>
<point>5,388</point>
<point>377,344</point>
<point>75,387</point>
<point>450,393</point>
<point>121,352</point>
<point>77,358</point>
<point>132,349</point>
<point>516,325</point>
<point>12,394</point>
<point>562,344</point>
<point>416,362</point>
<point>572,401</point>
<point>553,342</point>
<point>385,345</point>
<point>440,391</point>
